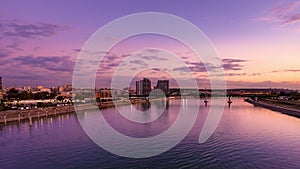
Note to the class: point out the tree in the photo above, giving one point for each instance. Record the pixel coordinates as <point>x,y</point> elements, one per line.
<point>41,95</point>
<point>60,98</point>
<point>12,94</point>
<point>25,95</point>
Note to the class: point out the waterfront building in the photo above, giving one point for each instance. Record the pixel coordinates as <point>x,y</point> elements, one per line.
<point>104,93</point>
<point>39,87</point>
<point>47,90</point>
<point>60,89</point>
<point>163,85</point>
<point>1,95</point>
<point>65,88</point>
<point>0,83</point>
<point>27,88</point>
<point>138,88</point>
<point>143,87</point>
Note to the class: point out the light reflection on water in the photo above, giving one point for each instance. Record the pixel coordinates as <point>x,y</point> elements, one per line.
<point>246,137</point>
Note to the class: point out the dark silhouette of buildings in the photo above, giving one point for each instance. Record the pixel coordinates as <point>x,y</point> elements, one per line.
<point>163,85</point>
<point>0,83</point>
<point>143,87</point>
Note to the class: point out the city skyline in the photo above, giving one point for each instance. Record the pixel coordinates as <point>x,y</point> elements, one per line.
<point>149,84</point>
<point>257,41</point>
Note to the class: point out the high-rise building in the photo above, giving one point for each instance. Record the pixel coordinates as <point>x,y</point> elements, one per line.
<point>0,83</point>
<point>163,85</point>
<point>138,88</point>
<point>143,87</point>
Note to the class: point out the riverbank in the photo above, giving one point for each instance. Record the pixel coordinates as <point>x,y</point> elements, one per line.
<point>291,109</point>
<point>9,116</point>
<point>29,115</point>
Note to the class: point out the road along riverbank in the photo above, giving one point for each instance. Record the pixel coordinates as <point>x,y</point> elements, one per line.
<point>275,107</point>
<point>31,114</point>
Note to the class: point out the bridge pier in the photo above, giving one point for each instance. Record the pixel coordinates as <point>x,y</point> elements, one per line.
<point>5,120</point>
<point>30,119</point>
<point>19,117</point>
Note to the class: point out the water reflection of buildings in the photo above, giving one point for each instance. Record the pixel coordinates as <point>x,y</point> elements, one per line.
<point>143,106</point>
<point>163,104</point>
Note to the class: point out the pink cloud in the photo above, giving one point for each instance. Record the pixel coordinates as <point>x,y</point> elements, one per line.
<point>283,14</point>
<point>281,11</point>
<point>291,19</point>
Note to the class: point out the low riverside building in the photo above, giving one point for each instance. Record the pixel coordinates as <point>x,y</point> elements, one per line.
<point>1,94</point>
<point>30,104</point>
<point>104,93</point>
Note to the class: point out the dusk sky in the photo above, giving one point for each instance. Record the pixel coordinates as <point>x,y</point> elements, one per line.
<point>258,41</point>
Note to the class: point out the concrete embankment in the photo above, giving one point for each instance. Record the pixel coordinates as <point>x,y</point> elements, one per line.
<point>284,110</point>
<point>28,115</point>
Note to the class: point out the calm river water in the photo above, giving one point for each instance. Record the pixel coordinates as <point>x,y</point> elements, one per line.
<point>247,137</point>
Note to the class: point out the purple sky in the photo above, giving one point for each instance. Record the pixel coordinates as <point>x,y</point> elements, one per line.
<point>257,40</point>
